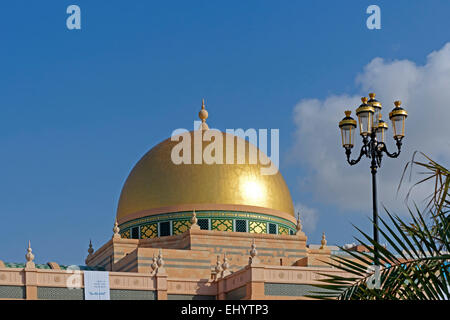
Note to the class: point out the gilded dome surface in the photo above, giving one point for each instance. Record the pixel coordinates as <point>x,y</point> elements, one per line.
<point>157,182</point>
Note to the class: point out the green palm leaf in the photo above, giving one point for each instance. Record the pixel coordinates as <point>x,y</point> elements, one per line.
<point>415,265</point>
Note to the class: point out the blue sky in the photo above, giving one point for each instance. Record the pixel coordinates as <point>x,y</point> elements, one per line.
<point>78,108</point>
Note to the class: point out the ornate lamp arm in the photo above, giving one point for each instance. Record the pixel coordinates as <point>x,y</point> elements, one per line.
<point>395,154</point>
<point>348,152</point>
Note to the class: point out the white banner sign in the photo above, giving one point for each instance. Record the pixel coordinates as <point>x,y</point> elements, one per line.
<point>96,285</point>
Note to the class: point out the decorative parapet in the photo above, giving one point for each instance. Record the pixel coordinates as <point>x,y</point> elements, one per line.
<point>33,279</point>
<point>12,277</point>
<point>256,281</point>
<point>191,287</point>
<point>251,282</point>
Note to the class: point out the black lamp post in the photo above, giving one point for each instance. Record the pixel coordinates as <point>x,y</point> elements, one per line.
<point>373,131</point>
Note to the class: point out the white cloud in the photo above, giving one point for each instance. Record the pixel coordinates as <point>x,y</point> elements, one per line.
<point>308,217</point>
<point>425,93</point>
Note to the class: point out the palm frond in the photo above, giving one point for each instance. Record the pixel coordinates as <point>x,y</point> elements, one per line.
<point>415,265</point>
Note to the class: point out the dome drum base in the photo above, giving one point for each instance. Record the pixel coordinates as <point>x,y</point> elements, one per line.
<point>179,222</point>
<point>193,254</point>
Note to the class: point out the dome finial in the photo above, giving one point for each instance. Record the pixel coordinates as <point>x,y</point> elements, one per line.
<point>203,115</point>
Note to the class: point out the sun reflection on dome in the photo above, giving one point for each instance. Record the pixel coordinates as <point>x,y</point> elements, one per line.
<point>252,189</point>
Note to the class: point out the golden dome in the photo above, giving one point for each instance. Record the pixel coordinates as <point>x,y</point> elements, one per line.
<point>158,185</point>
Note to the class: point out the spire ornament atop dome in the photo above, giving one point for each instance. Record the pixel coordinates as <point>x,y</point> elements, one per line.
<point>203,115</point>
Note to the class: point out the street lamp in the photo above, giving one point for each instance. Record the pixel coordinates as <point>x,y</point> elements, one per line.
<point>373,131</point>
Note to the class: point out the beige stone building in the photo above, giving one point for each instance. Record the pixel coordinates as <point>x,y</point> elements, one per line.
<point>192,231</point>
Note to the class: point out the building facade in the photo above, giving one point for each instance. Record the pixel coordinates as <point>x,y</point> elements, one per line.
<point>212,226</point>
